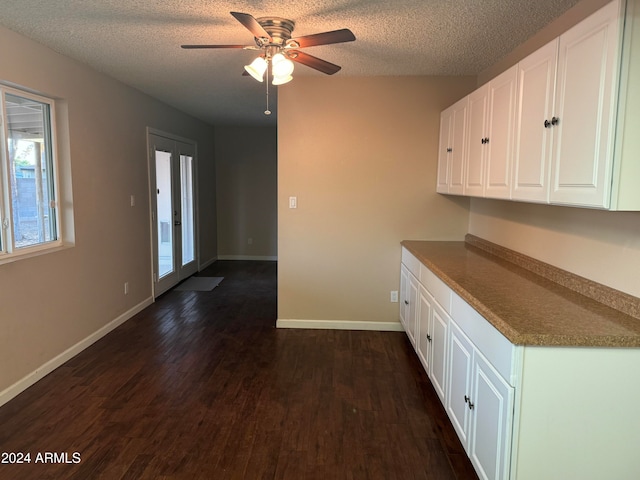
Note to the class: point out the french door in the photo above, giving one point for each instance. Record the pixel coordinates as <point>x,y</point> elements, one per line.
<point>173,210</point>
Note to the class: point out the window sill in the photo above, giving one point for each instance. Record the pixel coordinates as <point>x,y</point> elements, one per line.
<point>34,252</point>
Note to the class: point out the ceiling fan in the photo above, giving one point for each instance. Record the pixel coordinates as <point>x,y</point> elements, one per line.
<point>273,40</point>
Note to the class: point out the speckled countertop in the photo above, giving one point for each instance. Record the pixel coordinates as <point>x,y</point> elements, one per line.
<point>525,307</point>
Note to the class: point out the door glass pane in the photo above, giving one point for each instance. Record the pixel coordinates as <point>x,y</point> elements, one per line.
<point>31,171</point>
<point>164,214</point>
<point>188,234</point>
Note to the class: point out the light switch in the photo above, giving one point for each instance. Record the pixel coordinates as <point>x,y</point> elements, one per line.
<point>293,202</point>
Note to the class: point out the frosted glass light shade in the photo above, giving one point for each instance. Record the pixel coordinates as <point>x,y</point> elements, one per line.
<point>281,80</point>
<point>282,66</point>
<point>257,68</point>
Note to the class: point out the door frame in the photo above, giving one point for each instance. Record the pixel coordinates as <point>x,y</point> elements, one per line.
<point>151,165</point>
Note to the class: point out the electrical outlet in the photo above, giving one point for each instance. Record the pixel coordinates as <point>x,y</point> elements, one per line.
<point>394,296</point>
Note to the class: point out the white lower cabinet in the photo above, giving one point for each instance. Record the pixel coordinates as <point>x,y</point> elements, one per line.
<point>458,402</point>
<point>475,394</point>
<point>404,303</point>
<point>480,406</point>
<point>409,303</point>
<point>523,412</point>
<point>438,370</point>
<point>425,321</point>
<point>424,338</point>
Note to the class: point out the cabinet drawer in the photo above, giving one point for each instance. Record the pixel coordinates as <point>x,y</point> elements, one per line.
<point>411,262</point>
<point>499,351</point>
<point>440,291</point>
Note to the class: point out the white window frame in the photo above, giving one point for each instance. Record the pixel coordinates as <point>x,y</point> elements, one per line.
<point>8,251</point>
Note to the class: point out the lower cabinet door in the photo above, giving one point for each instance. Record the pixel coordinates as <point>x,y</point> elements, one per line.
<point>404,294</point>
<point>438,364</point>
<point>491,421</point>
<point>459,403</point>
<point>423,329</point>
<point>412,311</point>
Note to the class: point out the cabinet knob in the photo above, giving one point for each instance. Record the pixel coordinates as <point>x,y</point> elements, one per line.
<point>467,400</point>
<point>486,140</point>
<point>482,141</point>
<point>406,302</point>
<point>555,121</point>
<point>449,150</point>
<point>547,124</point>
<point>428,338</point>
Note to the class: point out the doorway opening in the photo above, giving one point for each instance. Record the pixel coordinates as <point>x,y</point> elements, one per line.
<point>172,176</point>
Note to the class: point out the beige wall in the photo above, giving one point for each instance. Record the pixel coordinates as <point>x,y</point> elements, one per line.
<point>360,154</point>
<point>246,175</point>
<point>51,302</point>
<point>602,246</point>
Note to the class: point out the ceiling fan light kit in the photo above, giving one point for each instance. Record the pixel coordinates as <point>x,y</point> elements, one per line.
<point>278,50</point>
<point>282,66</point>
<point>257,68</point>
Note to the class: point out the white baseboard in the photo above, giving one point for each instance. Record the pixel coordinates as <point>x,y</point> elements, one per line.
<point>248,257</point>
<point>340,325</point>
<point>204,265</point>
<point>45,369</point>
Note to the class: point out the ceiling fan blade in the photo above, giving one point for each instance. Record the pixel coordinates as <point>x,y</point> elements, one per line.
<point>251,24</point>
<point>313,62</point>
<point>326,38</point>
<point>213,46</point>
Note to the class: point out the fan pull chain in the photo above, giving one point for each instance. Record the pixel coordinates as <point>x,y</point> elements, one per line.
<point>267,111</point>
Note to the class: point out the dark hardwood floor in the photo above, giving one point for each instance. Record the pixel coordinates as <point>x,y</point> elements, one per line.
<point>201,385</point>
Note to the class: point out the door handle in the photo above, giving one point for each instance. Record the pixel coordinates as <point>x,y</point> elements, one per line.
<point>177,223</point>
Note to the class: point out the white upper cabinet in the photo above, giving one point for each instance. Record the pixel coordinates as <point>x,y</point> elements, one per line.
<point>532,148</point>
<point>561,125</point>
<point>584,121</point>
<point>477,132</point>
<point>444,150</point>
<point>626,168</point>
<point>490,137</point>
<point>499,140</point>
<point>453,133</point>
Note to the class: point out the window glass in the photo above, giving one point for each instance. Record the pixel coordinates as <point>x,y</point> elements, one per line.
<point>30,219</point>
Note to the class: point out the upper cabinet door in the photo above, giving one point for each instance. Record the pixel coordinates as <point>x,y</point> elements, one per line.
<point>532,149</point>
<point>583,123</point>
<point>475,162</point>
<point>452,148</point>
<point>444,150</point>
<point>499,140</point>
<point>458,145</point>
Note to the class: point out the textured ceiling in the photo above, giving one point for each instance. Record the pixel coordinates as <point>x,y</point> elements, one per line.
<point>138,41</point>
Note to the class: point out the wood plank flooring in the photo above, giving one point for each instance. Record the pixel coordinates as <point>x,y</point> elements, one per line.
<point>200,385</point>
